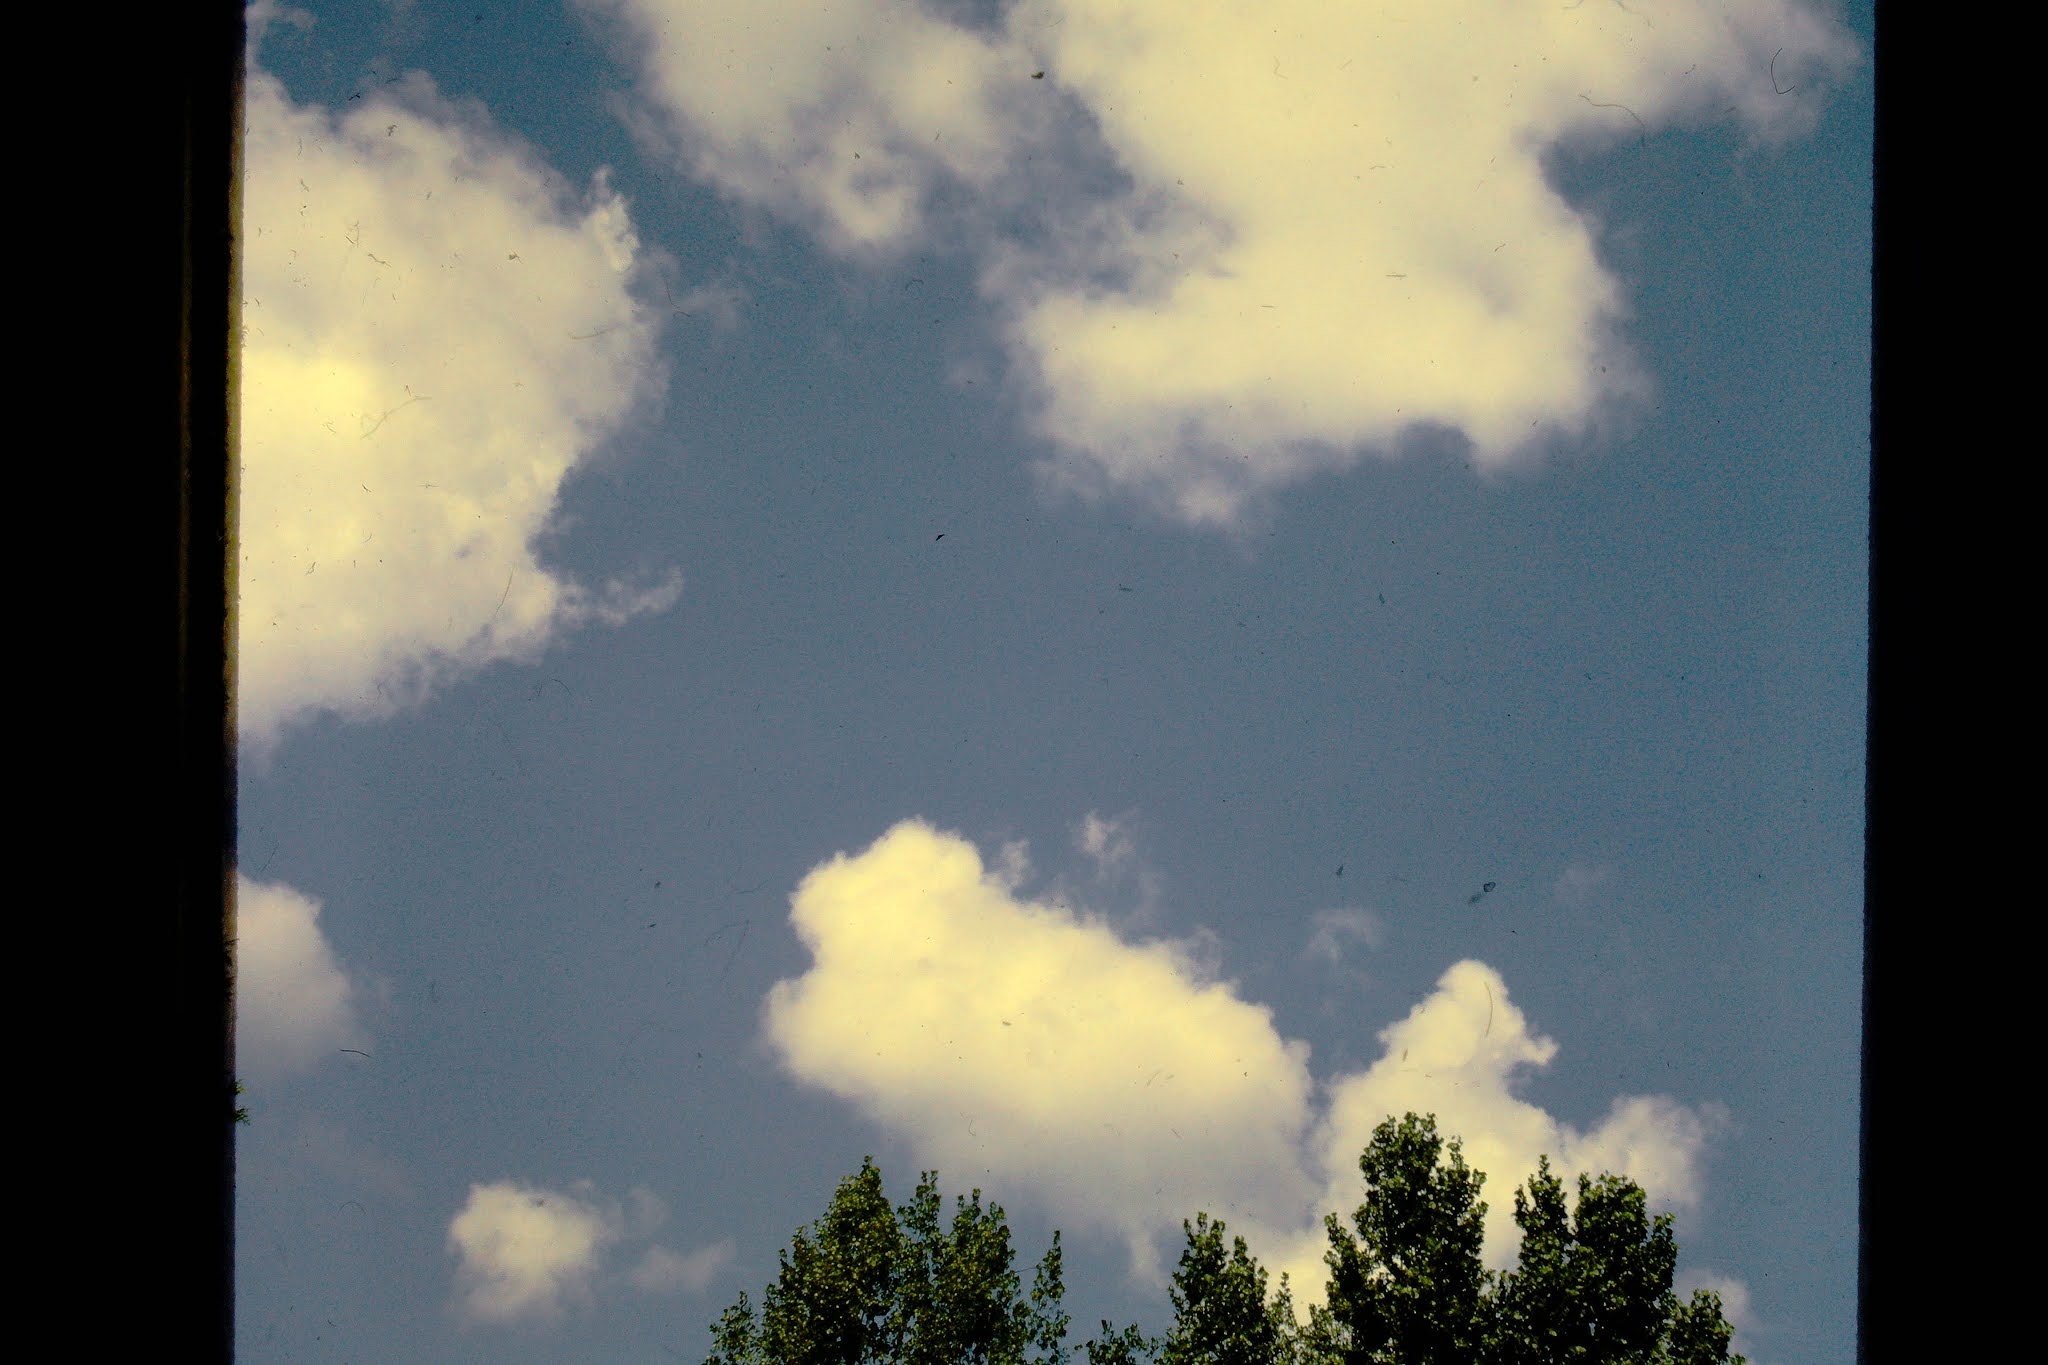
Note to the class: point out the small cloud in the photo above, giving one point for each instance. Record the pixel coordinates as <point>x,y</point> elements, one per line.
<point>662,1271</point>
<point>1106,841</point>
<point>261,14</point>
<point>294,1004</point>
<point>1576,884</point>
<point>646,1211</point>
<point>717,303</point>
<point>1335,930</point>
<point>525,1251</point>
<point>1110,844</point>
<point>1013,863</point>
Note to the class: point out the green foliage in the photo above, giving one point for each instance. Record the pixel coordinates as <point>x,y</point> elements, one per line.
<point>1594,1286</point>
<point>1699,1335</point>
<point>1221,1315</point>
<point>869,1284</point>
<point>1125,1346</point>
<point>1410,1289</point>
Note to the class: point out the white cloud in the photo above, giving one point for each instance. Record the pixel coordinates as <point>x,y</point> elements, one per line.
<point>294,1004</point>
<point>845,116</point>
<point>1268,239</point>
<point>1459,1055</point>
<point>1335,929</point>
<point>662,1271</point>
<point>1122,874</point>
<point>1016,1038</point>
<point>436,331</point>
<point>1107,842</point>
<point>1340,227</point>
<point>1125,1086</point>
<point>525,1251</point>
<point>261,14</point>
<point>528,1252</point>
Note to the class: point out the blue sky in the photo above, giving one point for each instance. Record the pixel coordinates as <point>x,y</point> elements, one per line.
<point>809,590</point>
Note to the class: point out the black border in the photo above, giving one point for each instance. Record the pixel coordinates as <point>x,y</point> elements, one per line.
<point>154,216</point>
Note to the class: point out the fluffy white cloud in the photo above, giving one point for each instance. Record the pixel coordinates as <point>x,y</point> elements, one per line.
<point>524,1251</point>
<point>435,332</point>
<point>843,115</point>
<point>1324,227</point>
<point>1018,1039</point>
<point>1458,1054</point>
<point>1340,227</point>
<point>293,1002</point>
<point>1125,1086</point>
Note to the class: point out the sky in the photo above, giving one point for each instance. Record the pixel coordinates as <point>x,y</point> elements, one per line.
<point>1097,595</point>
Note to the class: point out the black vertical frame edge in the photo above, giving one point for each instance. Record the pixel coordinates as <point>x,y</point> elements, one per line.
<point>194,72</point>
<point>1935,832</point>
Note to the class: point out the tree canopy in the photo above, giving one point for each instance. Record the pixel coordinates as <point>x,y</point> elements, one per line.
<point>871,1283</point>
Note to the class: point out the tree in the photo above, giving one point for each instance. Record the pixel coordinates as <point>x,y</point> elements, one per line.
<point>1221,1315</point>
<point>1591,1286</point>
<point>869,1284</point>
<point>1699,1335</point>
<point>1120,1346</point>
<point>1594,1286</point>
<point>1410,1289</point>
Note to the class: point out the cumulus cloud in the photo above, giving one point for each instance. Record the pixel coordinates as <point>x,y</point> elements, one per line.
<point>1340,226</point>
<point>844,116</point>
<point>1023,1040</point>
<point>1126,1085</point>
<point>1325,227</point>
<point>294,1004</point>
<point>1459,1054</point>
<point>435,332</point>
<point>525,1251</point>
